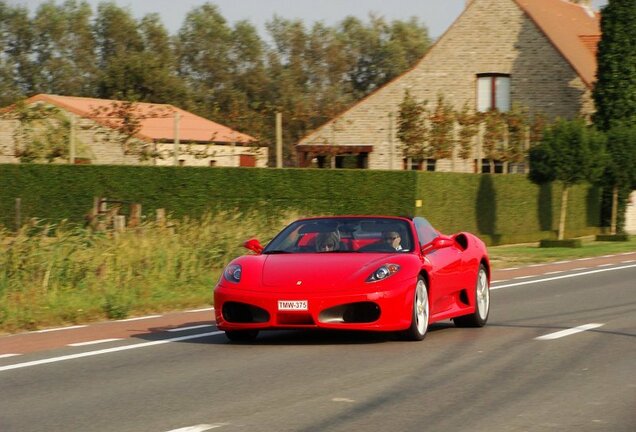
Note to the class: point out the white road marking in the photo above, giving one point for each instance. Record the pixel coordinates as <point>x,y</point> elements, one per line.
<point>199,428</point>
<point>60,328</point>
<point>561,277</point>
<point>568,332</point>
<point>585,259</point>
<point>190,328</point>
<point>140,318</point>
<point>342,400</point>
<point>511,268</point>
<point>605,265</point>
<point>627,253</point>
<point>93,342</point>
<point>561,262</point>
<point>628,261</point>
<point>554,272</point>
<point>106,351</point>
<point>201,310</point>
<point>8,355</point>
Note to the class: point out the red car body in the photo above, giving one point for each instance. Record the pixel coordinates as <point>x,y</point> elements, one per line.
<point>365,284</point>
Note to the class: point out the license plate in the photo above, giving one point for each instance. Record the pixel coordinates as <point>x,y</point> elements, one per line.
<point>293,305</point>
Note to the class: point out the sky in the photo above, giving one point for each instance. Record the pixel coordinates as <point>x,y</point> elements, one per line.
<point>437,15</point>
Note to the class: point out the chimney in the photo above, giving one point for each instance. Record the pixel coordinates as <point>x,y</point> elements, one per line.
<point>585,3</point>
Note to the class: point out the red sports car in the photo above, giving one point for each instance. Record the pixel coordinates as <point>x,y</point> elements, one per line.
<point>376,273</point>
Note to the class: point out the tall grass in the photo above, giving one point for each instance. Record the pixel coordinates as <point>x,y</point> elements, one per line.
<point>62,274</point>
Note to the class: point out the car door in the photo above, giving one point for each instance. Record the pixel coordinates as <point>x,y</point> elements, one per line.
<point>446,263</point>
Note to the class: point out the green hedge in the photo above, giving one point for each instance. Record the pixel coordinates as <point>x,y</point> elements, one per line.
<point>505,208</point>
<point>55,192</point>
<point>499,208</point>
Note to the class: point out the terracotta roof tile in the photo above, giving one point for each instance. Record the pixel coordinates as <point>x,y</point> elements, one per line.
<point>157,120</point>
<point>571,28</point>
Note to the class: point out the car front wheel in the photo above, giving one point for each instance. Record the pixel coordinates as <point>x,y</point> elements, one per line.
<point>420,313</point>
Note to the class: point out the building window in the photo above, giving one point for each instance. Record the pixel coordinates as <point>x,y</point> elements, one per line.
<point>212,163</point>
<point>493,92</point>
<point>181,162</point>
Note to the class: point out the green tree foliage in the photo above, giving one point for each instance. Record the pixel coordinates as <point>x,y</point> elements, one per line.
<point>570,152</point>
<point>615,98</point>
<point>615,89</point>
<point>412,130</point>
<point>619,177</point>
<point>17,43</point>
<point>204,44</point>
<point>42,133</point>
<point>64,48</point>
<point>442,122</point>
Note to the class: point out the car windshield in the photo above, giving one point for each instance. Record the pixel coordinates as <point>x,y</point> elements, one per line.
<point>343,235</point>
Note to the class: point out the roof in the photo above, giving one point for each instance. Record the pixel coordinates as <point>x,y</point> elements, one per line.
<point>156,120</point>
<point>573,29</point>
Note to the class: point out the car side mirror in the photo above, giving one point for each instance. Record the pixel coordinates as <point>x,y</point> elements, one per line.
<point>254,245</point>
<point>440,242</point>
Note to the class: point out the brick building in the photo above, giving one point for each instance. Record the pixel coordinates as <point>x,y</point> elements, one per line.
<point>537,54</point>
<point>101,136</point>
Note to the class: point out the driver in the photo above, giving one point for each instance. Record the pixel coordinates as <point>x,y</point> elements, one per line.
<point>327,242</point>
<point>393,239</point>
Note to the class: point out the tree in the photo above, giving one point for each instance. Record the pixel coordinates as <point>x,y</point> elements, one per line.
<point>615,89</point>
<point>615,98</point>
<point>468,122</point>
<point>203,44</point>
<point>571,153</point>
<point>64,48</point>
<point>442,122</point>
<point>42,132</point>
<point>620,173</point>
<point>493,139</point>
<point>411,127</point>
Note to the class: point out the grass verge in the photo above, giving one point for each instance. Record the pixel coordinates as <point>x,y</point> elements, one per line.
<point>519,255</point>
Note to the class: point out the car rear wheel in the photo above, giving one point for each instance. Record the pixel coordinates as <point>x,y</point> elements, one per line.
<point>241,335</point>
<point>420,314</point>
<point>482,303</point>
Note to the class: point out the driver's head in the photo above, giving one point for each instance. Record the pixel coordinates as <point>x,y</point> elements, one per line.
<point>326,242</point>
<point>392,238</point>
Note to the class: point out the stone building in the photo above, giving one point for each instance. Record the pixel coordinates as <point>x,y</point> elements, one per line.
<point>119,132</point>
<point>536,54</point>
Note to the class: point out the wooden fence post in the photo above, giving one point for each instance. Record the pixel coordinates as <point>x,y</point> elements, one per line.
<point>119,223</point>
<point>161,217</point>
<point>135,215</point>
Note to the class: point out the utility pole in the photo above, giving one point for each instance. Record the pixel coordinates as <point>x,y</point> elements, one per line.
<point>279,140</point>
<point>176,138</point>
<point>391,140</point>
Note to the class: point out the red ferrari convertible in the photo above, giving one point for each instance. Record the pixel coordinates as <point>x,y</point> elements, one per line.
<point>374,273</point>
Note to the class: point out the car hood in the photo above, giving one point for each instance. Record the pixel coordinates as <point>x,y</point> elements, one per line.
<point>324,272</point>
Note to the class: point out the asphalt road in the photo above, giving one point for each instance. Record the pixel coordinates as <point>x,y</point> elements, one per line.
<point>519,373</point>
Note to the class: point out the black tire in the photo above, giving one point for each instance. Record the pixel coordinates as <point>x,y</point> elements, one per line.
<point>420,313</point>
<point>482,303</point>
<point>241,335</point>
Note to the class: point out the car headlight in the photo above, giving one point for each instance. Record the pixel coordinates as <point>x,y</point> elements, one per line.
<point>232,273</point>
<point>387,270</point>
